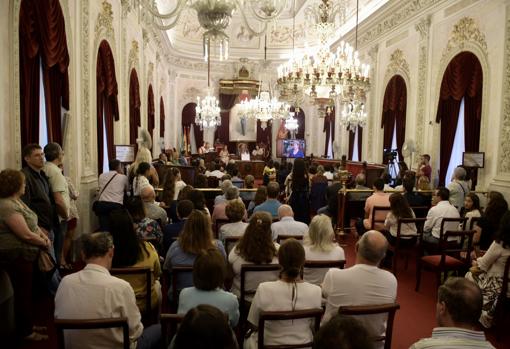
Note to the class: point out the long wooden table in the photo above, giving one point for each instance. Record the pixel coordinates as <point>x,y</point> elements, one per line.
<point>372,171</point>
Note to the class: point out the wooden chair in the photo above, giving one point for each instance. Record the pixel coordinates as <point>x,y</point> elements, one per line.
<point>314,314</point>
<point>397,249</point>
<point>175,272</point>
<point>453,255</point>
<point>376,211</point>
<point>245,269</point>
<point>420,211</point>
<point>169,325</point>
<point>503,303</point>
<point>390,309</point>
<point>217,225</point>
<point>134,271</point>
<point>433,248</point>
<point>280,238</point>
<point>230,242</point>
<point>472,222</point>
<point>91,324</point>
<point>324,265</point>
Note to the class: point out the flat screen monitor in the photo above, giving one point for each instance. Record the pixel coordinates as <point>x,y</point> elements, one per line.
<point>293,148</point>
<point>125,153</point>
<point>473,159</point>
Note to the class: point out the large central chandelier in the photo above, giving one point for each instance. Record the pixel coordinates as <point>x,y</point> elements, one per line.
<point>215,16</point>
<point>319,72</point>
<point>354,115</point>
<point>264,108</point>
<point>208,109</point>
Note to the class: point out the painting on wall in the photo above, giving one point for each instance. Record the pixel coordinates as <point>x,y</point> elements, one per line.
<point>241,129</point>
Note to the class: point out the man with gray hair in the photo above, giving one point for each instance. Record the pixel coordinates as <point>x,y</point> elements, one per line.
<point>362,284</point>
<point>227,183</point>
<point>93,293</point>
<point>458,187</point>
<point>153,210</point>
<point>232,193</point>
<point>459,306</point>
<point>287,225</point>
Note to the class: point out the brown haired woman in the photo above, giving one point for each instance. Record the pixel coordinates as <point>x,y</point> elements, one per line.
<point>255,247</point>
<point>20,243</point>
<point>400,209</point>
<point>196,238</point>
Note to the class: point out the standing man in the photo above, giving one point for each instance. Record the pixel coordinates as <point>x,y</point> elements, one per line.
<point>425,169</point>
<point>60,191</point>
<point>112,187</point>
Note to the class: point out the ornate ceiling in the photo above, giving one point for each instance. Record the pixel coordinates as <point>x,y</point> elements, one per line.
<point>186,37</point>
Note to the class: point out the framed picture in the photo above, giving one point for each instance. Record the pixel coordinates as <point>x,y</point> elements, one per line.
<point>241,130</point>
<point>473,159</point>
<point>125,153</point>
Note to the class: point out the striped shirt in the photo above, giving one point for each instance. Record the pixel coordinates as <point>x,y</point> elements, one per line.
<point>452,338</point>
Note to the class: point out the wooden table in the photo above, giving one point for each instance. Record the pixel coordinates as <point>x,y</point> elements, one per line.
<point>372,171</point>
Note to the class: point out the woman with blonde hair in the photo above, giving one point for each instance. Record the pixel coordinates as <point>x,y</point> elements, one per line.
<point>319,245</point>
<point>195,238</point>
<point>255,247</point>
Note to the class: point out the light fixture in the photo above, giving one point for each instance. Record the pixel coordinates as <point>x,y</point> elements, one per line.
<point>291,123</point>
<point>208,109</point>
<point>353,115</point>
<point>215,16</point>
<point>319,72</point>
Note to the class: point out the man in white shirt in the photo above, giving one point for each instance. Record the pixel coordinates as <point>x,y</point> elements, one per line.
<point>442,209</point>
<point>362,284</point>
<point>459,305</point>
<point>152,209</point>
<point>112,187</point>
<point>93,293</point>
<point>287,225</point>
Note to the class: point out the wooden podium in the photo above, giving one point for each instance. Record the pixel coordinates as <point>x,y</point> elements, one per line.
<point>372,171</point>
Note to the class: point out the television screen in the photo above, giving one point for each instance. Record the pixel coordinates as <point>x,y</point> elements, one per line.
<point>293,148</point>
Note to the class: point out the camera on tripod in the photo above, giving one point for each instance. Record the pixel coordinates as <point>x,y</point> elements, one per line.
<point>390,155</point>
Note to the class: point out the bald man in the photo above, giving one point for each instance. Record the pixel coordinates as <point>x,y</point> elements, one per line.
<point>152,208</point>
<point>287,225</point>
<point>362,284</point>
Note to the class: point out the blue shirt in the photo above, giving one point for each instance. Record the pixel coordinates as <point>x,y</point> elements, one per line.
<point>270,205</point>
<point>225,301</point>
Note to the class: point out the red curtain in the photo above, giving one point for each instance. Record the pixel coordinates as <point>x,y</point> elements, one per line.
<point>107,104</point>
<point>329,124</point>
<point>222,132</point>
<point>161,117</point>
<point>151,110</point>
<point>134,106</point>
<point>394,111</point>
<point>43,42</point>
<point>352,136</point>
<point>300,117</point>
<point>264,136</point>
<point>463,78</point>
<point>188,118</point>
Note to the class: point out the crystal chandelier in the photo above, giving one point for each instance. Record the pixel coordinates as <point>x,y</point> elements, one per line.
<point>208,109</point>
<point>263,108</point>
<point>215,16</point>
<point>291,123</point>
<point>320,72</point>
<point>354,115</point>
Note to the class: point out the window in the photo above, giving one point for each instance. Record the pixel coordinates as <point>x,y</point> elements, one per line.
<point>459,145</point>
<point>43,123</point>
<point>355,152</point>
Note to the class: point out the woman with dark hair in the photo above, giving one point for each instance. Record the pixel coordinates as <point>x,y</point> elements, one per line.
<point>168,194</point>
<point>195,238</point>
<point>198,199</point>
<point>471,208</point>
<point>255,247</point>
<point>144,226</point>
<point>343,332</point>
<point>487,271</point>
<point>205,327</point>
<point>260,197</point>
<point>141,179</point>
<point>209,272</point>
<point>288,293</point>
<point>489,222</point>
<point>400,209</point>
<point>297,187</point>
<point>130,251</point>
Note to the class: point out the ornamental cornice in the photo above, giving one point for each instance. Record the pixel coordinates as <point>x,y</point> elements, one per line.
<point>423,26</point>
<point>104,21</point>
<point>504,151</point>
<point>397,65</point>
<point>133,57</point>
<point>85,84</point>
<point>465,31</point>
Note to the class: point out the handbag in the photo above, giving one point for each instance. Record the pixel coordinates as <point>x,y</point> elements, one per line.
<point>94,204</point>
<point>45,262</point>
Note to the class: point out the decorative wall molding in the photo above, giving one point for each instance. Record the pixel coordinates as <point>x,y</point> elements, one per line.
<point>504,149</point>
<point>150,72</point>
<point>373,54</point>
<point>85,84</point>
<point>16,79</point>
<point>133,58</point>
<point>104,21</point>
<point>397,65</point>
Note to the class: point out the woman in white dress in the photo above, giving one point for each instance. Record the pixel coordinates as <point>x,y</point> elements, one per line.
<point>288,293</point>
<point>141,178</point>
<point>319,245</point>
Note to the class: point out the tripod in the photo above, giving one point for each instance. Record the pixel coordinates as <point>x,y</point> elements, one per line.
<point>391,169</point>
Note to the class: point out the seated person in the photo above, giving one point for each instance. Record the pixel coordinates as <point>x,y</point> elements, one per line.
<point>259,198</point>
<point>204,148</point>
<point>131,252</point>
<point>145,227</point>
<point>487,226</point>
<point>249,181</point>
<point>441,208</point>
<point>209,271</point>
<point>272,204</point>
<point>277,296</point>
<point>360,181</point>
<point>224,155</point>
<point>235,212</point>
<point>258,151</point>
<point>287,225</point>
<point>412,197</point>
<point>101,295</point>
<point>217,172</point>
<point>236,180</point>
<point>378,198</point>
<point>343,332</point>
<point>269,173</point>
<point>400,209</point>
<point>173,230</point>
<point>232,193</point>
<point>227,183</point>
<point>153,210</point>
<point>258,233</point>
<point>244,152</point>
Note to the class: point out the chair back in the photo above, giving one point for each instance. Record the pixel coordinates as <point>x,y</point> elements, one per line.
<point>315,314</point>
<point>213,182</point>
<point>217,225</point>
<point>457,244</point>
<point>420,211</point>
<point>230,242</point>
<point>418,222</point>
<point>377,215</point>
<point>91,324</point>
<point>134,271</point>
<point>282,237</point>
<point>472,222</point>
<point>389,309</point>
<point>314,271</point>
<point>449,223</point>
<point>169,325</point>
<point>176,272</point>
